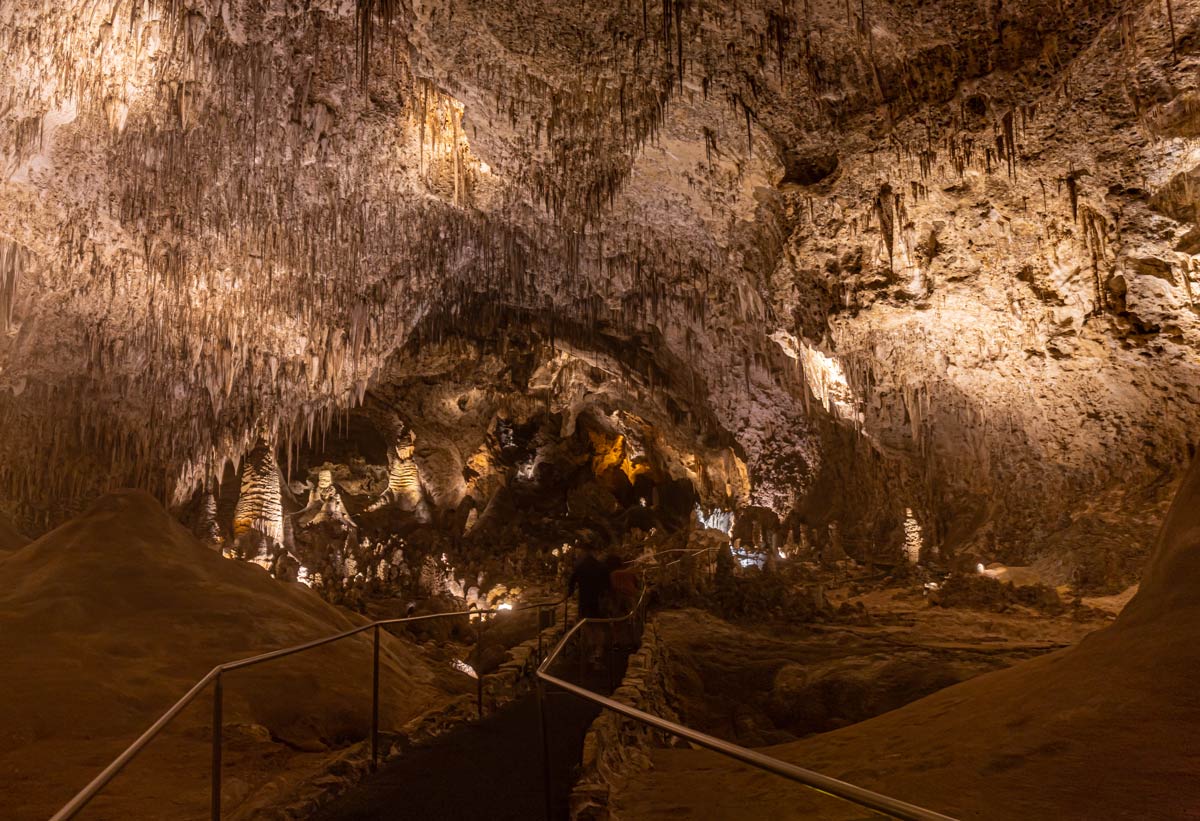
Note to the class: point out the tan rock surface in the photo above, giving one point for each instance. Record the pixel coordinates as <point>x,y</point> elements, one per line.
<point>970,230</point>
<point>113,616</point>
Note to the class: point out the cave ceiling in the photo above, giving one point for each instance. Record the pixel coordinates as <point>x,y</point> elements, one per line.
<point>960,236</point>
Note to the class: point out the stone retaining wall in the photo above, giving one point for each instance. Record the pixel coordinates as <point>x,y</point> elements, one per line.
<point>515,676</point>
<point>616,746</point>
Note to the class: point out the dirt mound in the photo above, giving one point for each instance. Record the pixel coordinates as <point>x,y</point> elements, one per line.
<point>107,620</point>
<point>1105,729</point>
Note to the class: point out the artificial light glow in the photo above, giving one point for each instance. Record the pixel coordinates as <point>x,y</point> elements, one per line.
<point>462,667</point>
<point>826,379</point>
<point>749,558</point>
<point>828,383</point>
<point>995,570</point>
<point>526,470</point>
<point>504,606</point>
<point>618,452</point>
<point>718,519</point>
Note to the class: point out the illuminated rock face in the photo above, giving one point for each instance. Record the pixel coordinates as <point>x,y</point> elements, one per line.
<point>258,519</point>
<point>325,503</point>
<point>912,538</point>
<point>404,480</point>
<point>925,257</point>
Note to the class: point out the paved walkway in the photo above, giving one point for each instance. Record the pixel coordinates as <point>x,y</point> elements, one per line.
<point>490,769</point>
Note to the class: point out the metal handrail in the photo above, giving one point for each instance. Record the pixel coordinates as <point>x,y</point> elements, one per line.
<point>823,783</point>
<point>93,788</point>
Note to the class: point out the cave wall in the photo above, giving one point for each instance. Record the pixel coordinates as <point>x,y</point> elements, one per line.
<point>965,233</point>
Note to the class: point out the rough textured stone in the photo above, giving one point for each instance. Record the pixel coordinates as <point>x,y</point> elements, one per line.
<point>900,257</point>
<point>616,747</point>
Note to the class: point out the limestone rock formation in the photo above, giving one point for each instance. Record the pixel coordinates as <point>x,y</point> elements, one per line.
<point>404,480</point>
<point>258,520</point>
<point>913,282</point>
<point>892,257</point>
<point>324,503</point>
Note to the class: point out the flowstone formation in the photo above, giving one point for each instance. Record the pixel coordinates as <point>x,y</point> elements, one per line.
<point>937,257</point>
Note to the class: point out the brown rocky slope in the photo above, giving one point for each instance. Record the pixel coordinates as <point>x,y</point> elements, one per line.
<point>1105,729</point>
<point>107,620</point>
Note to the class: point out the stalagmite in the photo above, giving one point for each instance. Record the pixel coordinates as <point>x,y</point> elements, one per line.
<point>912,538</point>
<point>208,525</point>
<point>258,518</point>
<point>404,479</point>
<point>324,503</point>
<point>834,551</point>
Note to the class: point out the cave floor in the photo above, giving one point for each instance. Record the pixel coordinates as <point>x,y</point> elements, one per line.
<point>1010,660</point>
<point>726,676</point>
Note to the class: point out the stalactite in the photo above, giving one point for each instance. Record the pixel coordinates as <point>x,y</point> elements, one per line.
<point>366,13</point>
<point>1171,26</point>
<point>885,211</point>
<point>13,259</point>
<point>1009,144</point>
<point>679,40</point>
<point>1072,183</point>
<point>348,262</point>
<point>1095,237</point>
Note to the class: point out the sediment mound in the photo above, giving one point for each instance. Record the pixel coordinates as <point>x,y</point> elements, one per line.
<point>1106,729</point>
<point>107,620</point>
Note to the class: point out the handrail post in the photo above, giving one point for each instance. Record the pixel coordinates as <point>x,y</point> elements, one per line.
<point>479,661</point>
<point>544,731</point>
<point>375,703</point>
<point>540,627</point>
<point>217,719</point>
<point>583,648</point>
<point>612,656</point>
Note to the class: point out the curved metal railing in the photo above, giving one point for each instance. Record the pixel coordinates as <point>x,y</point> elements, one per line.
<point>823,783</point>
<point>93,788</point>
